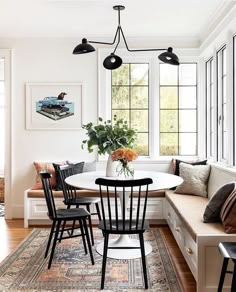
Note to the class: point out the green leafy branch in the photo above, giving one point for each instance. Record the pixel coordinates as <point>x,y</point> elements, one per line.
<point>108,137</point>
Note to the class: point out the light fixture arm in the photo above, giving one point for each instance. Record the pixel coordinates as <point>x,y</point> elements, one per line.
<point>118,31</point>
<point>113,61</point>
<point>137,50</point>
<point>104,43</point>
<point>119,28</point>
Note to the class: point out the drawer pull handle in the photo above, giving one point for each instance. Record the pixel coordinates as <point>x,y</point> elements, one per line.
<point>168,214</point>
<point>189,250</point>
<point>177,229</point>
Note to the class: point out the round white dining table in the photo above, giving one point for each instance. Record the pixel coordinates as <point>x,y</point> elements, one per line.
<point>161,181</point>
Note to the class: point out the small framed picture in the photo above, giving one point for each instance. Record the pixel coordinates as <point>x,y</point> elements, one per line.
<point>54,106</point>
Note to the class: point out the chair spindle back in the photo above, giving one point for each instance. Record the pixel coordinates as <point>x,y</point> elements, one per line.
<point>46,182</point>
<point>69,191</point>
<point>123,203</point>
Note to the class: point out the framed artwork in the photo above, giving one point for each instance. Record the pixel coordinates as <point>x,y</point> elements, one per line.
<point>54,106</point>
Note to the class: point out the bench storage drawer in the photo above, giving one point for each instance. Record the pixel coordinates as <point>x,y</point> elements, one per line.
<point>185,242</point>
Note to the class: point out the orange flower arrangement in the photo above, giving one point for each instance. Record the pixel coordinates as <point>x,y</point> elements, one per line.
<point>124,155</point>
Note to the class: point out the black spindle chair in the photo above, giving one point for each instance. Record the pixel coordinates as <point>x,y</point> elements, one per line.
<point>59,219</point>
<point>131,220</point>
<point>71,197</point>
<point>228,251</point>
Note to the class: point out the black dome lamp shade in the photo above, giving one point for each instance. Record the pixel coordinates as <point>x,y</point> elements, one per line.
<point>169,57</point>
<point>83,48</point>
<point>113,61</point>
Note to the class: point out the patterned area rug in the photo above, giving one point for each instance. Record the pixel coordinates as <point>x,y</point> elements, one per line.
<point>2,210</point>
<point>71,270</point>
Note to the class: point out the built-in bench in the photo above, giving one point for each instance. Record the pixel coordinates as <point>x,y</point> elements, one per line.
<point>35,210</point>
<point>197,241</point>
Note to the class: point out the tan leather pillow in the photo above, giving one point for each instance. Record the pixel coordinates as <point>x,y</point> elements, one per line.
<point>45,166</point>
<point>228,213</point>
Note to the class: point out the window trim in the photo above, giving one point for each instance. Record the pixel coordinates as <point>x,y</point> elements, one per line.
<point>208,76</point>
<point>7,55</point>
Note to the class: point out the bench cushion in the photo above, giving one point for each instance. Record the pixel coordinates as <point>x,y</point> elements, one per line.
<point>190,209</point>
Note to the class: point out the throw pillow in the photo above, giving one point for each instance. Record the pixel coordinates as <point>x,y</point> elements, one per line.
<point>176,163</point>
<point>77,168</point>
<point>89,166</point>
<point>228,213</point>
<point>44,166</point>
<point>195,179</point>
<point>213,208</point>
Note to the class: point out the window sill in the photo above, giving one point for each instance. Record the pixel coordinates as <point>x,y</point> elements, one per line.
<point>160,160</point>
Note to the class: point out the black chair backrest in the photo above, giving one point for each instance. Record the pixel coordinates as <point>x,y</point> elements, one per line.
<point>123,215</point>
<point>46,181</point>
<point>69,192</point>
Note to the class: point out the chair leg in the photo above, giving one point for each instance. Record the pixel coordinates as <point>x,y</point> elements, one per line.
<point>98,211</point>
<point>88,240</point>
<point>82,234</point>
<point>54,243</point>
<point>62,230</point>
<point>90,225</point>
<point>72,228</point>
<point>50,238</point>
<point>143,259</point>
<point>104,260</point>
<point>222,275</point>
<point>233,285</point>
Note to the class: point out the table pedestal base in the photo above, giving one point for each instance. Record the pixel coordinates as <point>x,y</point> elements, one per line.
<point>124,241</point>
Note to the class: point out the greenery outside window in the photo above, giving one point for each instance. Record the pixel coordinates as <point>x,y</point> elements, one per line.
<point>178,109</point>
<point>130,100</point>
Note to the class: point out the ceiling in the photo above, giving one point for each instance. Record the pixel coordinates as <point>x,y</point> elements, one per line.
<point>97,19</point>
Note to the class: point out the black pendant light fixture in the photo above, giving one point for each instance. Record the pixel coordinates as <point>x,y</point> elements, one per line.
<point>113,61</point>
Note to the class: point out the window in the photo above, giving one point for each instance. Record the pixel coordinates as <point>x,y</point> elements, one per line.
<point>158,100</point>
<point>178,109</point>
<point>2,116</point>
<point>211,108</point>
<point>222,104</point>
<point>130,100</point>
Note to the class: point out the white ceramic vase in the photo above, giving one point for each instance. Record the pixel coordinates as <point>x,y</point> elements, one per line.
<point>111,168</point>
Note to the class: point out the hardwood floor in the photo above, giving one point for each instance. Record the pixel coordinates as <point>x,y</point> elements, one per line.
<point>12,233</point>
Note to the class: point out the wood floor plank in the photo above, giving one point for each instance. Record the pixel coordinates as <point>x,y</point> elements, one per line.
<point>12,232</point>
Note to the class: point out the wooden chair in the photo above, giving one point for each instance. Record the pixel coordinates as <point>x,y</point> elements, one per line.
<point>71,196</point>
<point>228,251</point>
<point>59,219</point>
<point>131,222</point>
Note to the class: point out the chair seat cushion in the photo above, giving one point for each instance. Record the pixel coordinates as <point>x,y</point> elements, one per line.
<point>113,226</point>
<point>71,214</point>
<point>82,201</point>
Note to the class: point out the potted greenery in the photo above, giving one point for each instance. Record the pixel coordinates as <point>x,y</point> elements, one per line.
<point>109,137</point>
